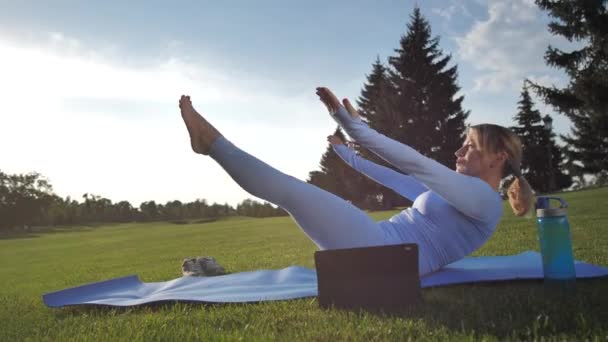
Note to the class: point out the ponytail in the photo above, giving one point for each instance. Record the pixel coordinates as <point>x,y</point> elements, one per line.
<point>496,138</point>
<point>520,196</point>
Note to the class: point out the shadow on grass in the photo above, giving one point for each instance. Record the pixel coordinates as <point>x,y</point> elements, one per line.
<point>39,231</point>
<point>521,310</point>
<point>35,232</point>
<point>154,307</point>
<point>198,221</point>
<point>518,310</point>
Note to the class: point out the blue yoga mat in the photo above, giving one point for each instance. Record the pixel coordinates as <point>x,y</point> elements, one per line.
<point>291,282</point>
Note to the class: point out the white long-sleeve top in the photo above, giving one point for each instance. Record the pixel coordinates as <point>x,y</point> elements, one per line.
<point>452,215</point>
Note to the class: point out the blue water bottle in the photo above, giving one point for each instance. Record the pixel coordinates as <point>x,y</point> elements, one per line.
<point>555,242</point>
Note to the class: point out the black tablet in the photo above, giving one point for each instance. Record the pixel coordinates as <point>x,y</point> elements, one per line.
<point>383,277</point>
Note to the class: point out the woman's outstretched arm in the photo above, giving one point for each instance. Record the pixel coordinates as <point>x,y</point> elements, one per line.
<point>404,185</point>
<point>470,195</point>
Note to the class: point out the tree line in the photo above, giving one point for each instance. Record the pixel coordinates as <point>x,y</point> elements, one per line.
<point>28,200</point>
<point>413,98</point>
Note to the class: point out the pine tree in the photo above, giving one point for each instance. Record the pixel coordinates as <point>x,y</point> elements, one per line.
<point>430,116</point>
<point>376,104</point>
<point>585,100</point>
<point>530,129</point>
<point>414,100</point>
<point>558,179</point>
<point>542,158</point>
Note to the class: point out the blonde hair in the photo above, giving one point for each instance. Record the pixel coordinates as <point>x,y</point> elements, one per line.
<point>494,139</point>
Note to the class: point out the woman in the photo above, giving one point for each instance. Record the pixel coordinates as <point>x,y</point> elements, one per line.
<point>453,214</point>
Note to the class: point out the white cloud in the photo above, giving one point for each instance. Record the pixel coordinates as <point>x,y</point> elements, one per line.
<point>455,7</point>
<point>92,125</point>
<point>508,46</point>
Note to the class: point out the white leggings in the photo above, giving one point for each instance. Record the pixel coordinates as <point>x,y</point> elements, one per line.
<point>327,219</point>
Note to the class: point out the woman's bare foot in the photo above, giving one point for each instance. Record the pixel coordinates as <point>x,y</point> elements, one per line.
<point>202,133</point>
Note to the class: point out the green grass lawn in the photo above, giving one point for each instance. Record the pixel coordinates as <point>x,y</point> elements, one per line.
<point>38,263</point>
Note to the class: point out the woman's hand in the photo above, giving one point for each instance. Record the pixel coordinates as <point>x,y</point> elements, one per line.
<point>332,103</point>
<point>329,99</point>
<point>349,107</point>
<point>335,140</point>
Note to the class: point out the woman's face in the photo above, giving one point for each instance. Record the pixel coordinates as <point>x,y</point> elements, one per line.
<point>469,157</point>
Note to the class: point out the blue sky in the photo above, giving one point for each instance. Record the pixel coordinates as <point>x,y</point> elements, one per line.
<point>90,89</point>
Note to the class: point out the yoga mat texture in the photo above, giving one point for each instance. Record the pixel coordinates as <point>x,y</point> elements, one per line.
<point>291,282</point>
